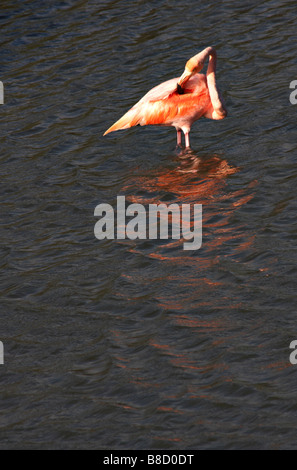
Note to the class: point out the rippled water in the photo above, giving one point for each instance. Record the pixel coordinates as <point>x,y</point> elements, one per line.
<point>141,344</point>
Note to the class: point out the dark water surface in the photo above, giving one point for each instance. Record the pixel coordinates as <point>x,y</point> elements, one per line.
<point>141,344</point>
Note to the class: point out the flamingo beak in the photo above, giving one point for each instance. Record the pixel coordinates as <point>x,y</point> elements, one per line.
<point>185,77</point>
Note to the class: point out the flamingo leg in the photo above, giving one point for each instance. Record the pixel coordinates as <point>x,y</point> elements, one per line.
<point>178,138</point>
<point>187,139</point>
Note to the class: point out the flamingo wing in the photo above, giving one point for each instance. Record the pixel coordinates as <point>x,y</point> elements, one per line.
<point>163,105</point>
<point>136,114</point>
<point>160,92</point>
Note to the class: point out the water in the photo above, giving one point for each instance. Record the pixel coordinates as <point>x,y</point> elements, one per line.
<point>141,344</point>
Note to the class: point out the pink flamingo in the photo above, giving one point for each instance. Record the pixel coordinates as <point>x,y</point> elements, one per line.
<point>180,101</point>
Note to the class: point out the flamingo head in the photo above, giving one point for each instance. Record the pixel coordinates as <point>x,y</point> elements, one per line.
<point>193,66</point>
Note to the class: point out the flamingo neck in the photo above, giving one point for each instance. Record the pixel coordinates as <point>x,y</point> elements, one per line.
<point>212,62</point>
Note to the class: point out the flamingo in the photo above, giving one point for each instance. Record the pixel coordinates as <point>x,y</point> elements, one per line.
<point>181,101</point>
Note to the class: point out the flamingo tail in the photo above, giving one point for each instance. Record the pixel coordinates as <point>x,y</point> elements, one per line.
<point>130,119</point>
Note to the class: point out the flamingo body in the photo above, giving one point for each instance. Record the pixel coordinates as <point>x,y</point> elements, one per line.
<point>179,102</point>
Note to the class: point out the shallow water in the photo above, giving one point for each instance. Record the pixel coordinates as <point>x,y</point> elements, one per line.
<point>139,344</point>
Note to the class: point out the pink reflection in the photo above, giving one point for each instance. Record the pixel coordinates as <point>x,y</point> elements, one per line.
<point>194,180</point>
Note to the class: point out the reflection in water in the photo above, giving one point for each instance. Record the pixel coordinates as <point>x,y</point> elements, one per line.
<point>195,180</point>
<point>185,284</point>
